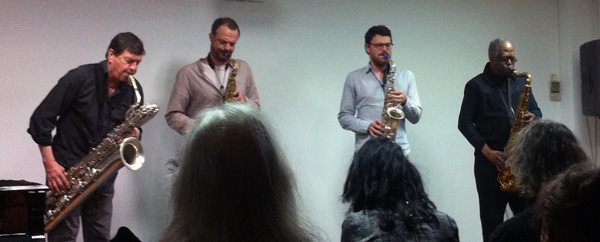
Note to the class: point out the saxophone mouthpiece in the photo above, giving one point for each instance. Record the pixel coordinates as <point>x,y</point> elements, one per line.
<point>386,56</point>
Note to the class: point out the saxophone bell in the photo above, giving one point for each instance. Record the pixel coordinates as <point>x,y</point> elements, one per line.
<point>131,153</point>
<point>395,112</point>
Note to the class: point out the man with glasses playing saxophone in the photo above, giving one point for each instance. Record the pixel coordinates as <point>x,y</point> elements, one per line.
<point>365,92</point>
<point>84,106</point>
<point>211,81</point>
<point>486,116</point>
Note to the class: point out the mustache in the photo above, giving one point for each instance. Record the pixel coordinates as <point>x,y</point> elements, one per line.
<point>225,53</point>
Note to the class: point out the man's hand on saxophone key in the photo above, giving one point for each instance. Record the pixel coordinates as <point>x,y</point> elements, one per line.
<point>397,97</point>
<point>239,97</point>
<point>528,117</point>
<point>376,128</point>
<point>133,132</point>
<point>55,173</point>
<point>496,157</point>
<point>55,177</point>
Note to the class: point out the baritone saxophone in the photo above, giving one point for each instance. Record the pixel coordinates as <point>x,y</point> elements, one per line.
<point>113,152</point>
<point>505,178</point>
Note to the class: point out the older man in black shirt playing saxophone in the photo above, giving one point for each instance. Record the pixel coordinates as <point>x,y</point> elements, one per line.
<point>486,116</point>
<point>85,105</point>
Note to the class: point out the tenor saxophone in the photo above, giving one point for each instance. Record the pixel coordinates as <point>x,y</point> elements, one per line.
<point>505,178</point>
<point>231,85</point>
<point>391,114</point>
<point>113,152</point>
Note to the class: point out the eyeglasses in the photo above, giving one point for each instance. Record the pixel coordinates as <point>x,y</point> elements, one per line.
<point>509,61</point>
<point>381,45</point>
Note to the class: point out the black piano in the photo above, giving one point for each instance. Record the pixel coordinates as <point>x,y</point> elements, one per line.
<point>22,209</point>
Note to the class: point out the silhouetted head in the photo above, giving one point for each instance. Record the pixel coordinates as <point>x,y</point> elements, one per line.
<point>382,178</point>
<point>233,183</point>
<point>568,208</point>
<point>539,152</point>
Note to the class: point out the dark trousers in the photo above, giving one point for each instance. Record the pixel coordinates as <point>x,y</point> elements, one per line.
<point>95,213</point>
<point>492,200</point>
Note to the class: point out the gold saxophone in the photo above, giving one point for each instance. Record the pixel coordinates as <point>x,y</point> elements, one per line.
<point>505,178</point>
<point>391,114</point>
<point>113,152</point>
<point>231,85</point>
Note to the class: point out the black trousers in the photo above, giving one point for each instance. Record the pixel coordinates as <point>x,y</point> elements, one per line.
<point>492,200</point>
<point>95,215</point>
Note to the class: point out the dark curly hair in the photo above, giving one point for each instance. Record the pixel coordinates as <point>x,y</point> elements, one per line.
<point>568,208</point>
<point>382,178</point>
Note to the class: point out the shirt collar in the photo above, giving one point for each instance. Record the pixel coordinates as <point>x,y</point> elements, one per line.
<point>369,68</point>
<point>493,78</point>
<point>104,65</point>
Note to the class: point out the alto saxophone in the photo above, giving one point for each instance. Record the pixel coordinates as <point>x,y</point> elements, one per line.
<point>391,114</point>
<point>505,178</point>
<point>231,85</point>
<point>113,152</point>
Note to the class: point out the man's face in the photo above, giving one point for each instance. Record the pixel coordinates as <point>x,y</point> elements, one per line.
<point>123,65</point>
<point>503,63</point>
<point>222,43</point>
<point>378,48</point>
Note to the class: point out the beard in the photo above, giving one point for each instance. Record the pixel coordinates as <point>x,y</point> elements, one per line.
<point>221,55</point>
<point>380,61</point>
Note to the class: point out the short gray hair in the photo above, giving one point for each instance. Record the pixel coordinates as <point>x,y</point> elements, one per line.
<point>493,49</point>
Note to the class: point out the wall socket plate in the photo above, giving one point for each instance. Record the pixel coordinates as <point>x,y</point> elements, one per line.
<point>554,88</point>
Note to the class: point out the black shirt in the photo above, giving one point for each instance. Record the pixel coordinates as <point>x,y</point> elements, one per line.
<point>81,111</point>
<point>484,113</point>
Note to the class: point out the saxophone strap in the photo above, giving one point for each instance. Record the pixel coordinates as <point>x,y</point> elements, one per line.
<point>507,103</point>
<point>221,79</point>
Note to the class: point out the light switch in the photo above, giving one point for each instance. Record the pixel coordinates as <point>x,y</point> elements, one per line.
<point>554,88</point>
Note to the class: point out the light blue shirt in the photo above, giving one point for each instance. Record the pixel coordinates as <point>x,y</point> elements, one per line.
<point>362,103</point>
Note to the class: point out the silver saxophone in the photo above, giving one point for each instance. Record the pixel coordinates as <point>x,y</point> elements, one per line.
<point>113,152</point>
<point>392,114</point>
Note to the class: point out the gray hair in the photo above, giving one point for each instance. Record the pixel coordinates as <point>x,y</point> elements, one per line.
<point>539,152</point>
<point>494,48</point>
<point>233,180</point>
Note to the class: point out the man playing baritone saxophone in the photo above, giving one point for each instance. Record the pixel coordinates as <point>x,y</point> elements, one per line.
<point>203,84</point>
<point>486,116</point>
<point>84,106</point>
<point>363,97</point>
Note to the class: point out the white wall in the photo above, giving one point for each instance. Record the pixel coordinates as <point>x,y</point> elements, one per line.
<point>300,52</point>
<point>579,23</point>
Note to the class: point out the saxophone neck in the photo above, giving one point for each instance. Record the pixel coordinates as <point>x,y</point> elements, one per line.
<point>138,96</point>
<point>522,74</point>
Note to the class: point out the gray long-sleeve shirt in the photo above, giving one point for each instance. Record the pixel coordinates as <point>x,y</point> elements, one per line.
<point>362,103</point>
